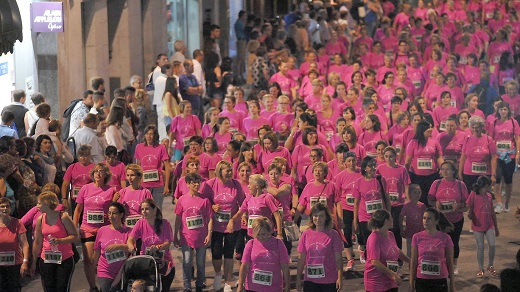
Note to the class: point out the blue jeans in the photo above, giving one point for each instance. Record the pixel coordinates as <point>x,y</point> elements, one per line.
<point>157,194</point>
<point>187,263</point>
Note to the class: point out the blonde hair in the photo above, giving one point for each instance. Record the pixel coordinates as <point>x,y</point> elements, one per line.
<point>220,165</point>
<point>136,168</point>
<point>50,199</point>
<point>261,223</point>
<point>259,180</point>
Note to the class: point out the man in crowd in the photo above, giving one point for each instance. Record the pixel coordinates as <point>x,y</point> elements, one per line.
<point>190,89</point>
<point>18,108</point>
<point>87,135</point>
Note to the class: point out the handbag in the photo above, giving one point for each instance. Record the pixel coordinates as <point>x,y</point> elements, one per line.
<point>291,230</point>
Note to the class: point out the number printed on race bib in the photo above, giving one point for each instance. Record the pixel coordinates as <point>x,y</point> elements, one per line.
<point>504,145</point>
<point>263,277</point>
<point>115,256</point>
<point>447,206</point>
<point>430,268</point>
<point>7,258</point>
<point>131,220</point>
<point>75,192</point>
<point>158,254</point>
<point>329,134</point>
<point>151,175</point>
<point>315,271</point>
<point>52,257</point>
<point>194,222</point>
<point>392,265</point>
<point>417,84</point>
<point>373,206</point>
<point>442,126</point>
<point>250,220</point>
<point>223,216</point>
<point>479,167</point>
<point>394,197</point>
<point>315,200</point>
<point>95,217</point>
<point>453,103</point>
<point>424,163</point>
<point>280,211</point>
<point>350,199</point>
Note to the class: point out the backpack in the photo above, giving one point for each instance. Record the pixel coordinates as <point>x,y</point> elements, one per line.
<point>150,86</point>
<point>65,129</point>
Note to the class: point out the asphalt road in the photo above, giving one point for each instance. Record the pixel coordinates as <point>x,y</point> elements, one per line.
<point>508,243</point>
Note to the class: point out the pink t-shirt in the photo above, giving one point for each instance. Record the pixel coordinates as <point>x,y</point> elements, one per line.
<point>251,127</point>
<point>482,206</point>
<point>264,205</point>
<point>414,214</point>
<point>447,193</point>
<point>132,199</point>
<point>424,158</point>
<point>283,202</point>
<point>229,196</point>
<point>369,141</point>
<point>151,160</point>
<point>377,61</point>
<point>205,161</point>
<point>301,157</point>
<point>285,82</point>
<point>266,114</point>
<point>222,141</point>
<point>106,237</point>
<point>184,128</point>
<point>118,174</point>
<point>78,175</point>
<point>504,133</point>
<point>431,258</point>
<point>394,181</point>
<point>195,213</point>
<point>346,182</point>
<point>235,119</point>
<point>277,121</point>
<point>451,145</point>
<point>370,197</point>
<point>149,237</point>
<point>381,247</point>
<point>514,103</point>
<point>95,202</point>
<point>57,230</point>
<point>440,115</point>
<point>328,125</point>
<point>385,94</point>
<point>478,154</point>
<point>265,158</point>
<point>320,249</point>
<point>327,193</point>
<point>31,217</point>
<point>183,189</point>
<point>265,258</point>
<point>207,130</point>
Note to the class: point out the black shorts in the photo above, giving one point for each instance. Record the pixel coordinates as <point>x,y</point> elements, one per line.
<point>88,239</point>
<point>223,244</point>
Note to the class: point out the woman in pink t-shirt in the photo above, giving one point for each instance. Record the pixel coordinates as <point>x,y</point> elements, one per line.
<point>269,151</point>
<point>327,116</point>
<point>472,105</point>
<point>52,244</point>
<point>110,249</point>
<point>254,121</point>
<point>77,175</point>
<point>336,139</point>
<point>483,222</point>
<point>451,140</point>
<point>210,120</point>
<point>372,135</point>
<point>443,110</point>
<point>222,133</point>
<point>301,153</point>
<point>411,216</point>
<point>320,250</point>
<point>349,137</point>
<point>381,267</point>
<point>512,97</point>
<point>235,116</point>
<point>132,196</point>
<point>265,263</point>
<point>117,168</point>
<point>192,166</point>
<point>157,236</point>
<point>93,200</point>
<point>183,127</point>
<point>194,224</point>
<point>449,196</point>
<point>386,89</point>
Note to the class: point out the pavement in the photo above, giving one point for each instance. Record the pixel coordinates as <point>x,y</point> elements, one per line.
<point>507,245</point>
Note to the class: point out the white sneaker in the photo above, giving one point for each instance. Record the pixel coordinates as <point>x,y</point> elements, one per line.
<point>455,270</point>
<point>362,257</point>
<point>507,209</point>
<point>227,288</point>
<point>217,282</point>
<point>499,208</point>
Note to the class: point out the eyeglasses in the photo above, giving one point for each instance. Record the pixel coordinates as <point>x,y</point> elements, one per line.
<point>100,171</point>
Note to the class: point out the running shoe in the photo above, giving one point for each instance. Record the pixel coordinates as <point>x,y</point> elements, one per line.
<point>362,257</point>
<point>455,270</point>
<point>480,274</point>
<point>227,288</point>
<point>349,266</point>
<point>491,270</point>
<point>499,208</point>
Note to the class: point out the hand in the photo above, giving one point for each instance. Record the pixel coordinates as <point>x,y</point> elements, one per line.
<point>207,240</point>
<point>154,248</point>
<point>497,233</point>
<point>470,215</point>
<point>341,224</point>
<point>493,179</point>
<point>55,240</point>
<point>240,288</point>
<point>166,190</point>
<point>243,221</point>
<point>438,205</point>
<point>230,226</point>
<point>176,241</point>
<point>117,196</point>
<point>355,228</point>
<point>339,284</point>
<point>24,269</point>
<point>293,211</point>
<point>216,207</point>
<point>455,206</point>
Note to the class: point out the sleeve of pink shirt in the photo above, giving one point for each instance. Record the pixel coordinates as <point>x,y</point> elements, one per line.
<point>246,255</point>
<point>270,201</point>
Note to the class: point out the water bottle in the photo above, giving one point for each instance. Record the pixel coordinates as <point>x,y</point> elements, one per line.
<point>54,247</point>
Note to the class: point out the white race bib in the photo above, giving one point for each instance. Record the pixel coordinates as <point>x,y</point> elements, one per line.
<point>479,167</point>
<point>463,60</point>
<point>131,220</point>
<point>52,257</point>
<point>250,220</point>
<point>392,265</point>
<point>315,271</point>
<point>447,206</point>
<point>453,103</point>
<point>262,277</point>
<point>95,217</point>
<point>350,199</point>
<point>496,59</point>
<point>489,15</point>
<point>151,175</point>
<point>424,163</point>
<point>223,216</point>
<point>7,258</point>
<point>503,145</point>
<point>315,200</point>
<point>430,268</point>
<point>416,84</point>
<point>75,192</point>
<point>194,222</point>
<point>329,134</point>
<point>280,211</point>
<point>115,256</point>
<point>373,206</point>
<point>394,197</point>
<point>442,126</point>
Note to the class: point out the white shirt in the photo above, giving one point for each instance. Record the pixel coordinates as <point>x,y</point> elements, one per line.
<point>199,74</point>
<point>160,86</point>
<point>88,136</point>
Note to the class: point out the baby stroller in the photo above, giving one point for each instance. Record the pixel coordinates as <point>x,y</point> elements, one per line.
<point>139,267</point>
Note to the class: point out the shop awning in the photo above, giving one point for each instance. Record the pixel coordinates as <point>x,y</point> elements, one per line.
<point>10,25</point>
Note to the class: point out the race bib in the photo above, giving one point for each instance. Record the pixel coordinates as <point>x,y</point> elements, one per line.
<point>75,192</point>
<point>373,206</point>
<point>394,197</point>
<point>430,268</point>
<point>479,167</point>
<point>95,217</point>
<point>194,222</point>
<point>151,175</point>
<point>115,256</point>
<point>223,216</point>
<point>262,277</point>
<point>453,103</point>
<point>463,60</point>
<point>503,145</point>
<point>329,134</point>
<point>496,59</point>
<point>315,271</point>
<point>424,163</point>
<point>489,15</point>
<point>442,126</point>
<point>158,254</point>
<point>52,257</point>
<point>7,258</point>
<point>250,220</point>
<point>131,220</point>
<point>416,84</point>
<point>447,206</point>
<point>393,266</point>
<point>350,199</point>
<point>315,200</point>
<point>280,211</point>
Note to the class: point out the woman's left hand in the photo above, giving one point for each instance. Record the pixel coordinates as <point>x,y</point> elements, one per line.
<point>339,284</point>
<point>24,269</point>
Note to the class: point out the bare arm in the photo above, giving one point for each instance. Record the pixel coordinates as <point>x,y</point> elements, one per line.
<point>167,171</point>
<point>299,271</point>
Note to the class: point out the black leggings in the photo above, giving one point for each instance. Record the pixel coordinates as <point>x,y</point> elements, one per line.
<point>309,286</point>
<point>455,237</point>
<point>223,244</point>
<point>425,182</point>
<point>56,277</point>
<point>431,285</point>
<point>396,229</point>
<point>348,219</point>
<point>241,241</point>
<point>167,280</point>
<point>10,278</point>
<point>363,233</point>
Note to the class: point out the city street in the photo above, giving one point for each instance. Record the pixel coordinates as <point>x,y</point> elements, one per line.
<point>507,245</point>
